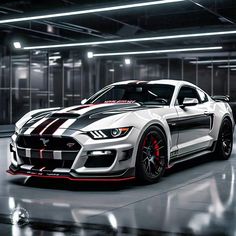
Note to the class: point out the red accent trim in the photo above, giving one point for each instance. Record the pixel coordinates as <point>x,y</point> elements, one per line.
<point>40,128</point>
<point>74,179</point>
<point>54,126</point>
<point>41,153</point>
<point>81,107</point>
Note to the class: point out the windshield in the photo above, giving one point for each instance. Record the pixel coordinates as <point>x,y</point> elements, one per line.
<point>159,94</point>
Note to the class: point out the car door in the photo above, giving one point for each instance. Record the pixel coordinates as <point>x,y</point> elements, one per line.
<point>193,124</point>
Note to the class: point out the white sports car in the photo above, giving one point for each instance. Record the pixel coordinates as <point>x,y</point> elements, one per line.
<point>131,129</point>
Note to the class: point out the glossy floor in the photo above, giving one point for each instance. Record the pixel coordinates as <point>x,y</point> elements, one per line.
<point>197,197</point>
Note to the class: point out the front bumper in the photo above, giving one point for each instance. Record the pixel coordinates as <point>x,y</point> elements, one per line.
<point>79,167</point>
<point>71,175</point>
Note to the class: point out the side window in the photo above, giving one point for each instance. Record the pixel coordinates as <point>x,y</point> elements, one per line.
<point>203,96</point>
<point>186,92</point>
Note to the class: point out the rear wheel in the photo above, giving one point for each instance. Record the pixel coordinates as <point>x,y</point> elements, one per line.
<point>225,141</point>
<point>151,157</point>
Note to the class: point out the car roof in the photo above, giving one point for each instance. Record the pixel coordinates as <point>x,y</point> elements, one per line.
<point>161,81</point>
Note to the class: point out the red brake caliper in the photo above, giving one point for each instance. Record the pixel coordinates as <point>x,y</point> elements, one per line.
<point>156,148</point>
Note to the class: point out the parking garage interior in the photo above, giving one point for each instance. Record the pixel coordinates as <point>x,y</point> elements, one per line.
<point>57,53</point>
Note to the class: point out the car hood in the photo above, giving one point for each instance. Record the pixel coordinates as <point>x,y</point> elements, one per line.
<point>83,116</point>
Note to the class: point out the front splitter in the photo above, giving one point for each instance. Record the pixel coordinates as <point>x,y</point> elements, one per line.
<point>13,171</point>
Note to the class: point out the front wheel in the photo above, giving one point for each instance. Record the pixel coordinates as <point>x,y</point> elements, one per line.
<point>225,141</point>
<point>152,155</point>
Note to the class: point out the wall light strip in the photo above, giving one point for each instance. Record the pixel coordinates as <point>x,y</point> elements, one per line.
<point>213,61</point>
<point>228,66</point>
<point>156,51</point>
<point>133,40</point>
<point>96,10</point>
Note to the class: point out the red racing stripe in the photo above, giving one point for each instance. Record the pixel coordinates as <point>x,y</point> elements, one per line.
<point>39,128</point>
<point>80,107</point>
<point>54,126</point>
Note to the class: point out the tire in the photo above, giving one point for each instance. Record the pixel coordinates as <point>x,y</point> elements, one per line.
<point>152,156</point>
<point>225,141</point>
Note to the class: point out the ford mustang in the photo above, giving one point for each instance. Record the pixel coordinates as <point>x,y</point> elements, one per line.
<point>130,129</point>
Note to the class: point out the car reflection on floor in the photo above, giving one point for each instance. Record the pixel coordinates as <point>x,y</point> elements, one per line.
<point>197,197</point>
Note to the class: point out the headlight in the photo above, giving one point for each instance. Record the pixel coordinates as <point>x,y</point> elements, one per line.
<point>109,133</point>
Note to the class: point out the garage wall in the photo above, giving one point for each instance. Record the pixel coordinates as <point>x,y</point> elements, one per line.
<point>38,79</point>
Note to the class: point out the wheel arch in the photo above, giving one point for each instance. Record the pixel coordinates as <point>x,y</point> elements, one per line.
<point>165,131</point>
<point>161,130</point>
<point>226,116</point>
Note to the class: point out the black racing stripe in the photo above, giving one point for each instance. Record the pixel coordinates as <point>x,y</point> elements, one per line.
<point>39,128</point>
<point>79,108</point>
<point>112,107</point>
<point>90,117</point>
<point>98,114</point>
<point>54,126</point>
<point>189,123</point>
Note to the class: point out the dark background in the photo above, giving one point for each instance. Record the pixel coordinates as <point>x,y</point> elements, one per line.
<point>36,79</point>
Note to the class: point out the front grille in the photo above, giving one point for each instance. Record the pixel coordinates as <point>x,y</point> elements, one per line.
<point>47,151</point>
<point>48,143</point>
<point>49,164</point>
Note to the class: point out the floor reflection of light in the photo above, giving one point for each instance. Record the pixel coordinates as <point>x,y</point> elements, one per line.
<point>199,221</point>
<point>18,231</point>
<point>223,176</point>
<point>61,204</point>
<point>217,208</point>
<point>15,230</point>
<point>27,200</point>
<point>112,220</point>
<point>231,194</point>
<point>11,203</point>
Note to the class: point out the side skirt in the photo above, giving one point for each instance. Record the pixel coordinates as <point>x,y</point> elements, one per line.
<point>193,155</point>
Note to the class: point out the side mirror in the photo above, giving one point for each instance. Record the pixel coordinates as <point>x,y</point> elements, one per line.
<point>189,102</point>
<point>84,101</point>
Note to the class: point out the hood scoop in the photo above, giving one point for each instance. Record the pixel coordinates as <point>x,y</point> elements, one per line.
<point>65,115</point>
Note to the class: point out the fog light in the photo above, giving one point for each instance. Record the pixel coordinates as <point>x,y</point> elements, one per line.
<point>99,153</point>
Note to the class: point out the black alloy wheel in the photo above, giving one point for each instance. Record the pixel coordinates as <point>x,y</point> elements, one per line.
<point>151,158</point>
<point>225,141</point>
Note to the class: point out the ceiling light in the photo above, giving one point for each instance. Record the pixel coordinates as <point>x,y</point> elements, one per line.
<point>95,10</point>
<point>142,39</point>
<point>127,61</point>
<point>17,45</point>
<point>156,51</point>
<point>213,61</point>
<point>54,57</point>
<point>90,54</point>
<point>228,66</point>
